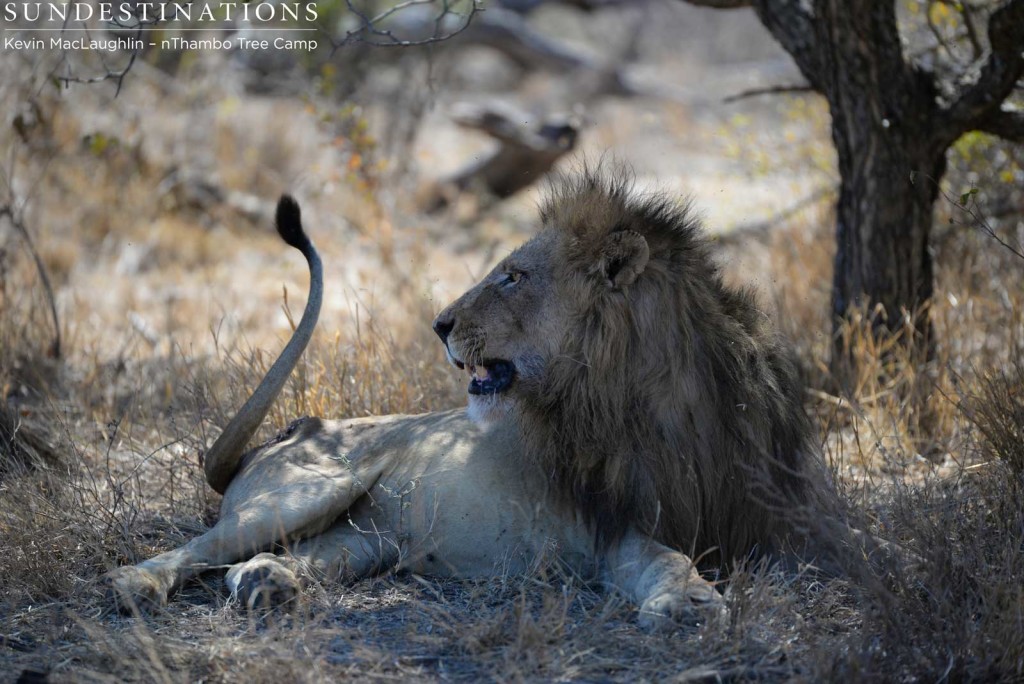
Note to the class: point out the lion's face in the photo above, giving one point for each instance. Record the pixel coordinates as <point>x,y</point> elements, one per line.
<point>510,329</point>
<point>505,329</point>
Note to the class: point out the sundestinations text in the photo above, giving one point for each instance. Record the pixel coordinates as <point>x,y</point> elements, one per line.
<point>127,12</point>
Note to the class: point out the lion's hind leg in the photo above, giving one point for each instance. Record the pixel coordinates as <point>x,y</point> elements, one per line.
<point>268,582</point>
<point>249,525</point>
<point>147,585</point>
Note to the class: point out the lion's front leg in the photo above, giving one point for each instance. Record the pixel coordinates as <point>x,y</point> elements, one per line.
<point>663,582</point>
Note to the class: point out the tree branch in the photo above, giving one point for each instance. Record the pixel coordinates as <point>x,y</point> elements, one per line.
<point>793,25</point>
<point>970,15</point>
<point>970,207</point>
<point>996,77</point>
<point>770,90</point>
<point>1005,124</point>
<point>443,25</point>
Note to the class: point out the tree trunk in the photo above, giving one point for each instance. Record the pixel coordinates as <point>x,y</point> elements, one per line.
<point>891,158</point>
<point>883,222</point>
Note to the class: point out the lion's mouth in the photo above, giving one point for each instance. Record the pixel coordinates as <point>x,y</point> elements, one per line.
<point>487,377</point>
<point>492,377</point>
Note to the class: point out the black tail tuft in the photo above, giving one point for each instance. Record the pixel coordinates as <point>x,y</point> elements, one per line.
<point>289,223</point>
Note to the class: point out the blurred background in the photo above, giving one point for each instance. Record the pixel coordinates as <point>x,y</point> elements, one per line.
<point>150,198</point>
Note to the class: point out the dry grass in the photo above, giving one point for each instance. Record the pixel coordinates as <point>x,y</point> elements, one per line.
<point>931,454</point>
<point>100,453</point>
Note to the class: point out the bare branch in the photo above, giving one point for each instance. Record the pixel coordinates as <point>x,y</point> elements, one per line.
<point>109,74</point>
<point>370,32</point>
<point>137,27</point>
<point>996,77</point>
<point>970,207</point>
<point>967,204</point>
<point>7,211</point>
<point>1005,124</point>
<point>970,15</point>
<point>436,27</point>
<point>942,42</point>
<point>770,90</point>
<point>793,25</point>
<point>529,148</point>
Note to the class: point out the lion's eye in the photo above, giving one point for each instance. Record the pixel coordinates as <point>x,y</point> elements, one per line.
<point>511,278</point>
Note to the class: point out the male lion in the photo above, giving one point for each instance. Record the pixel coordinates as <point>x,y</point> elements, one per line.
<point>626,408</point>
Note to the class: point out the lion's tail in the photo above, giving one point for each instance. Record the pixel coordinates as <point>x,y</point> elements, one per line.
<point>222,459</point>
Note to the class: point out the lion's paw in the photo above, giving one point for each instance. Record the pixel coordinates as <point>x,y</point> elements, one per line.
<point>695,605</point>
<point>132,590</point>
<point>264,584</point>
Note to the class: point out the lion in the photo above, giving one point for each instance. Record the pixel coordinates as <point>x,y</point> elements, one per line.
<point>626,409</point>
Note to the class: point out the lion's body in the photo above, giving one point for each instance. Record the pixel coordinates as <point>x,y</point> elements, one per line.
<point>628,412</point>
<point>434,494</point>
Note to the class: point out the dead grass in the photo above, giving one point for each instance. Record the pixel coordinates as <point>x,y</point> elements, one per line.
<point>998,413</point>
<point>949,487</point>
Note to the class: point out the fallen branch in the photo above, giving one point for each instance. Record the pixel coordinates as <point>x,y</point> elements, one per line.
<point>525,154</point>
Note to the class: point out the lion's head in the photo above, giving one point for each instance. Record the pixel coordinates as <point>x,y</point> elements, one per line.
<point>507,328</point>
<point>653,394</point>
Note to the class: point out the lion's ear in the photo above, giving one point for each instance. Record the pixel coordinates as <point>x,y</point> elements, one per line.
<point>624,256</point>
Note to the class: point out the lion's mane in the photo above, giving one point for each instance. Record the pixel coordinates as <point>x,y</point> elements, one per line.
<point>673,406</point>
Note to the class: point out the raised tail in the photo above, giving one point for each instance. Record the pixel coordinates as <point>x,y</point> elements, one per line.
<point>222,459</point>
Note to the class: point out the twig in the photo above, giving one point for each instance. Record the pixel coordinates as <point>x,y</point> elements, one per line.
<point>970,207</point>
<point>368,25</point>
<point>967,204</point>
<point>109,75</point>
<point>770,90</point>
<point>8,211</point>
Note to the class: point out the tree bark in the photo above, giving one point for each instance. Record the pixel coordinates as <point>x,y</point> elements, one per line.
<point>891,157</point>
<point>883,223</point>
<point>883,111</point>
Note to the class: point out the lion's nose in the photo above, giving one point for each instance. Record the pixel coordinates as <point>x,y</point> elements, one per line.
<point>443,326</point>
